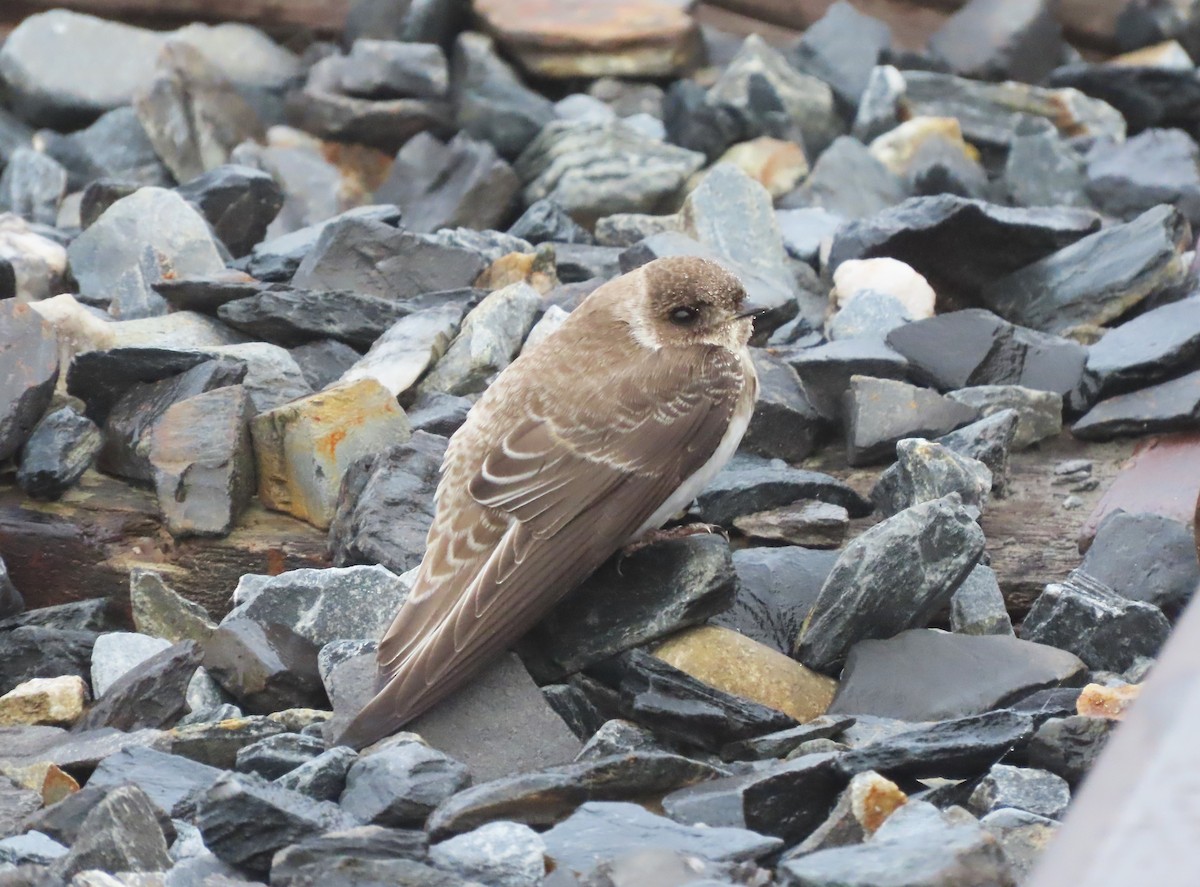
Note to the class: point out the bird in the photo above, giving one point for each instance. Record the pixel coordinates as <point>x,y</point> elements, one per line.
<point>587,442</point>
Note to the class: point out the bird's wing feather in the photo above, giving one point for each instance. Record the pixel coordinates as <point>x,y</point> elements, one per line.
<point>551,500</point>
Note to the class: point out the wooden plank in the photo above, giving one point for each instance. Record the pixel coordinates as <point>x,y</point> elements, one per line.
<point>911,22</point>
<point>323,16</point>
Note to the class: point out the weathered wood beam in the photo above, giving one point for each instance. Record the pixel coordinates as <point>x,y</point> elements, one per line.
<point>323,16</point>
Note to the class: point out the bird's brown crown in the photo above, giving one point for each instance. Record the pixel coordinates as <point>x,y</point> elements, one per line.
<point>690,300</point>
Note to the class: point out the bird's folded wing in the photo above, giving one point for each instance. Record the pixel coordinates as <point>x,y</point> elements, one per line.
<point>555,500</point>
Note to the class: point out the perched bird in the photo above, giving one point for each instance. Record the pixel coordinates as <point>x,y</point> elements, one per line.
<point>589,440</point>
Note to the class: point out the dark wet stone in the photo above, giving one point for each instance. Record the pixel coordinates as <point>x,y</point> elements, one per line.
<point>491,103</point>
<point>391,69</point>
<point>1085,616</point>
<point>784,425</point>
<point>28,373</point>
<point>986,241</point>
<point>1146,349</point>
<point>925,471</point>
<point>507,854</point>
<point>576,703</point>
<point>1145,557</point>
<point>1069,746</point>
<point>582,263</point>
<point>385,506</point>
<point>925,675</point>
<point>778,745</point>
<point>369,852</point>
<point>11,602</point>
<point>129,427</point>
<point>324,361</point>
<point>787,800</point>
<point>97,197</point>
<point>150,694</point>
<point>1021,40</point>
<point>894,576</point>
<point>776,589</point>
<point>917,845</point>
<point>601,830</point>
<point>462,183</point>
<point>322,778</point>
<point>1042,169</point>
<point>1168,406</point>
<point>748,484</point>
<point>373,258</point>
<point>238,201</point>
<point>1146,95</point>
<point>32,186</point>
<point>1022,788</point>
<point>93,615</point>
<point>1099,278</point>
<point>842,48</point>
<point>274,756</point>
<point>439,414</point>
<point>882,412</point>
<point>1154,167</point>
<point>37,652</point>
<point>245,820</point>
<point>676,706</point>
<point>547,222</point>
<point>82,752</point>
<point>810,524</point>
<point>217,743</point>
<point>618,737</point>
<point>400,783</point>
<point>121,834</point>
<point>825,371</point>
<point>101,378</point>
<point>693,122</point>
<point>171,782</point>
<point>848,181</point>
<point>290,317</point>
<point>266,668</point>
<point>548,796</point>
<point>978,606</point>
<point>630,601</point>
<point>62,447</point>
<point>939,166</point>
<point>987,350</point>
<point>278,258</point>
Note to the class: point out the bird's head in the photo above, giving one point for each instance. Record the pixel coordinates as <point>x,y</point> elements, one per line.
<point>691,301</point>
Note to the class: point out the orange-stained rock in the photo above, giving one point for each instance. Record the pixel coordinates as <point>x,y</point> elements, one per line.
<point>594,38</point>
<point>45,778</point>
<point>1098,701</point>
<point>730,661</point>
<point>536,269</point>
<point>775,164</point>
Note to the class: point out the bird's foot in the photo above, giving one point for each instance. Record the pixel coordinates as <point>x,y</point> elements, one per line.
<point>680,532</point>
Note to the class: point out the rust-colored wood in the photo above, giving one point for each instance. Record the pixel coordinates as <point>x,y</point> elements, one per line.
<point>324,16</point>
<point>85,545</point>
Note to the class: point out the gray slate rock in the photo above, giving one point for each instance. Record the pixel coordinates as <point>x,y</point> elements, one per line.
<point>34,651</point>
<point>926,675</point>
<point>266,668</point>
<point>238,201</point>
<point>28,373</point>
<point>1168,406</point>
<point>274,756</point>
<point>988,440</point>
<point>11,602</point>
<point>322,778</point>
<point>879,105</point>
<point>1097,279</point>
<point>1145,557</point>
<point>506,854</point>
<point>826,370</point>
<point>363,854</point>
<point>32,186</point>
<point>93,615</point>
<point>277,258</point>
<point>978,606</point>
<point>780,744</point>
<point>1043,169</point>
<point>630,601</point>
<point>617,737</point>
<point>1023,836</point>
<point>161,612</point>
<point>290,317</point>
<point>869,315</point>
<point>1153,167</point>
<point>16,805</point>
<point>31,847</point>
<point>401,783</point>
<point>150,694</point>
<point>894,576</point>
<point>842,48</point>
<point>1069,746</point>
<point>1146,349</point>
<point>61,448</point>
<point>1022,40</point>
<point>776,588</point>
<point>1039,413</point>
<point>169,781</point>
<point>324,361</point>
<point>407,348</point>
<point>804,231</point>
<point>151,234</point>
<point>546,222</point>
<point>848,181</point>
<point>121,834</point>
<point>116,652</point>
<point>1085,616</point>
<point>1034,791</point>
<point>882,412</point>
<point>925,471</point>
<point>749,484</point>
<point>391,69</point>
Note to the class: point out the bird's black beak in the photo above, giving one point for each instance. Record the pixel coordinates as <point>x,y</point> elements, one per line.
<point>751,309</point>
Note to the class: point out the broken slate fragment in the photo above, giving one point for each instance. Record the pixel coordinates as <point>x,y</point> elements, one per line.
<point>784,424</point>
<point>1154,167</point>
<point>809,524</point>
<point>1145,557</point>
<point>882,412</point>
<point>290,317</point>
<point>1147,349</point>
<point>151,694</point>
<point>1022,788</point>
<point>1039,413</point>
<point>400,783</point>
<point>266,668</point>
<point>120,834</point>
<point>28,373</point>
<point>987,440</point>
<point>62,447</point>
<point>1167,406</point>
<point>776,589</point>
<point>1024,42</point>
<point>399,357</point>
<point>978,607</point>
<point>238,201</point>
<point>748,484</point>
<point>825,371</point>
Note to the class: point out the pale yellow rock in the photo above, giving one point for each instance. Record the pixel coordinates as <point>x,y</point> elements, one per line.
<point>1099,701</point>
<point>536,269</point>
<point>1169,55</point>
<point>45,778</point>
<point>303,448</point>
<point>896,148</point>
<point>54,702</point>
<point>730,661</point>
<point>890,276</point>
<point>775,164</point>
<point>873,798</point>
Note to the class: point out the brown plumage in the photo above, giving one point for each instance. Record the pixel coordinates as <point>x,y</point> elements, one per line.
<point>592,438</point>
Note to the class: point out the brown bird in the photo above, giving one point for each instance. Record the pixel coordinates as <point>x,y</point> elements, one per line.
<point>585,443</point>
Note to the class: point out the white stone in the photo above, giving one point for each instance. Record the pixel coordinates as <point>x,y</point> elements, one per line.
<point>889,276</point>
<point>410,346</point>
<point>115,653</point>
<point>501,854</point>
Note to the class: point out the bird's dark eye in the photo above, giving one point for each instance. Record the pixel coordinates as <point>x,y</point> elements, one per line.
<point>684,315</point>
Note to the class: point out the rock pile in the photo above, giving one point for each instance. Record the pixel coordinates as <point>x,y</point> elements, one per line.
<point>247,295</point>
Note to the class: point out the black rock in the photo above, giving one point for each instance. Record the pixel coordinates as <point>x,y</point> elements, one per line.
<point>460,184</point>
<point>278,258</point>
<point>1146,349</point>
<point>62,447</point>
<point>952,749</point>
<point>32,186</point>
<point>577,706</point>
<point>28,373</point>
<point>1021,788</point>
<point>988,440</point>
<point>776,588</point>
<point>385,505</point>
<point>692,122</point>
<point>961,246</point>
<point>825,371</point>
<point>925,675</point>
<point>547,222</point>
<point>322,778</point>
<point>1168,406</point>
<point>939,166</point>
<point>925,471</point>
<point>207,294</point>
<point>324,361</point>
<point>1021,40</point>
<point>748,484</point>
<point>894,576</point>
<point>630,601</point>
<point>1146,95</point>
<point>391,69</point>
<point>274,756</point>
<point>238,201</point>
<point>1157,166</point>
<point>491,103</point>
<point>617,737</point>
<point>401,783</point>
<point>676,706</point>
<point>582,262</point>
<point>36,652</point>
<point>101,378</point>
<point>778,745</point>
<point>291,317</point>
<point>130,424</point>
<point>978,606</point>
<point>1145,557</point>
<point>787,800</point>
<point>121,834</point>
<point>347,855</point>
<point>547,796</point>
<point>1042,169</point>
<point>373,258</point>
<point>171,782</point>
<point>1097,279</point>
<point>266,668</point>
<point>784,425</point>
<point>244,820</point>
<point>842,48</point>
<point>151,694</point>
<point>1068,746</point>
<point>97,197</point>
<point>439,414</point>
<point>848,181</point>
<point>1085,616</point>
<point>115,147</point>
<point>882,412</point>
